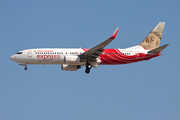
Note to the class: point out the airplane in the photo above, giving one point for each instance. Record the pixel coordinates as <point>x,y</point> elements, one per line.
<point>74,59</point>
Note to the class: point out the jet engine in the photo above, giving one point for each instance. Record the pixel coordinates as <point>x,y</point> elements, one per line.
<point>70,67</point>
<point>71,59</point>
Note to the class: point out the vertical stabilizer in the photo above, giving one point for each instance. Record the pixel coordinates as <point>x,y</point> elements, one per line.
<point>153,40</point>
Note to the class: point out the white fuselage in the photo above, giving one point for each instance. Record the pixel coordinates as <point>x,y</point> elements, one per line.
<point>45,56</point>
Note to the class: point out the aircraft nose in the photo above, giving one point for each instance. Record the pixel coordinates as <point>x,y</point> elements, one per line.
<point>12,58</point>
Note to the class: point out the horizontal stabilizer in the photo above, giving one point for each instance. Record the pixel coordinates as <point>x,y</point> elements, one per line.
<point>158,50</point>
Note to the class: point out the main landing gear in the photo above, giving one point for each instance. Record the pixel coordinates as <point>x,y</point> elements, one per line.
<point>88,67</point>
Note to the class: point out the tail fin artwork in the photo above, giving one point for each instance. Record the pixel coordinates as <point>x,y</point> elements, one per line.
<point>152,41</point>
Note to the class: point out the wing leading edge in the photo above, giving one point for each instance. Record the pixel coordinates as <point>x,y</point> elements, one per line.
<point>96,51</point>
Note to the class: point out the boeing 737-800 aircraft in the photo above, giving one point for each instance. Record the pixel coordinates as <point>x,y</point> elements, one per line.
<point>73,59</point>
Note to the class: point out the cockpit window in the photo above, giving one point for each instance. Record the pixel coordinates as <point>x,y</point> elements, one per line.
<point>19,53</point>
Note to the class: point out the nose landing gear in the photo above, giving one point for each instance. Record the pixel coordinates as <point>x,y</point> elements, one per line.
<point>23,64</point>
<point>25,68</point>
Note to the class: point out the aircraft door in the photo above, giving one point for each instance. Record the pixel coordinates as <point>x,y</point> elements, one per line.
<point>137,54</point>
<point>29,53</point>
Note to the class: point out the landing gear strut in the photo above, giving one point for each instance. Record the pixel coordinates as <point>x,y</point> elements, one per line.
<point>88,67</point>
<point>25,68</point>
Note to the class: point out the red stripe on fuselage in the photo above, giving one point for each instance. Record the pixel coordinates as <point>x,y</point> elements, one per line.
<point>114,57</point>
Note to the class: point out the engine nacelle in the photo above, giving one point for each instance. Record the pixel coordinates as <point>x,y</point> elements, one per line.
<point>70,67</point>
<point>71,59</point>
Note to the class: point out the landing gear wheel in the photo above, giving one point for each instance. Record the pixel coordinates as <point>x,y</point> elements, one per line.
<point>87,70</point>
<point>88,65</point>
<point>25,68</point>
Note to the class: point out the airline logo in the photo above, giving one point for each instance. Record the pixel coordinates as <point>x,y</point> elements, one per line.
<point>47,57</point>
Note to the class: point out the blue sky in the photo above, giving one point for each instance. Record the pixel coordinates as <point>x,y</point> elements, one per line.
<point>145,90</point>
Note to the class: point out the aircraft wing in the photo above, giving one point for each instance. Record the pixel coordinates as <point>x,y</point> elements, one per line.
<point>96,51</point>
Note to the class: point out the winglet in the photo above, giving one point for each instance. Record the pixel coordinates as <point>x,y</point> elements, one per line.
<point>114,34</point>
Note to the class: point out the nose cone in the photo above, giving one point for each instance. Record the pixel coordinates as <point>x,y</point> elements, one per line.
<point>12,58</point>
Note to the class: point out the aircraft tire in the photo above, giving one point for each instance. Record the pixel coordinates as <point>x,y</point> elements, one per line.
<point>25,68</point>
<point>87,71</point>
<point>88,65</point>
